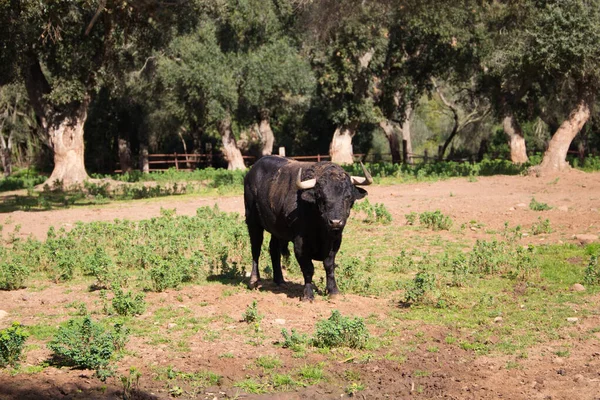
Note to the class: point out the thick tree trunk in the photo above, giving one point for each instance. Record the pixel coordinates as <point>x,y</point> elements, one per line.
<point>66,139</point>
<point>392,137</point>
<point>267,138</point>
<point>232,153</point>
<point>555,158</point>
<point>340,148</point>
<point>518,150</point>
<point>124,155</point>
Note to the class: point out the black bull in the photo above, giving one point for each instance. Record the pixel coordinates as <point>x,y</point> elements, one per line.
<point>307,204</point>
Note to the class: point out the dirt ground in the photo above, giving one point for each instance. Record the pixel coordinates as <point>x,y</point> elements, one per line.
<point>452,373</point>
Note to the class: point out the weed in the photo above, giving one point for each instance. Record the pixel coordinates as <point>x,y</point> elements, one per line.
<point>128,303</point>
<point>12,274</point>
<point>312,374</point>
<point>251,386</point>
<point>268,362</point>
<point>294,341</point>
<point>541,226</point>
<point>86,344</point>
<point>415,291</point>
<point>537,206</point>
<point>340,331</point>
<point>435,220</point>
<point>251,315</point>
<point>592,272</point>
<point>376,213</point>
<point>12,340</point>
<point>411,218</point>
<point>130,383</point>
<point>354,388</point>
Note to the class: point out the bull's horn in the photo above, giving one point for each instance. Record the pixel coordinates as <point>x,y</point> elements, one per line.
<point>359,180</point>
<point>308,184</point>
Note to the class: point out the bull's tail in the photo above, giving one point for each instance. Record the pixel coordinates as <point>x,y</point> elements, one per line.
<point>285,250</point>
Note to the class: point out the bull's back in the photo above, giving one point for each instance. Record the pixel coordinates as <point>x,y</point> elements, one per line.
<point>270,194</point>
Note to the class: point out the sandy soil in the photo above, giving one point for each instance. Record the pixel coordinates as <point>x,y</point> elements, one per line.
<point>452,373</point>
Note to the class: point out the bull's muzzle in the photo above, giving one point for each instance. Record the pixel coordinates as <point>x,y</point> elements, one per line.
<point>336,224</point>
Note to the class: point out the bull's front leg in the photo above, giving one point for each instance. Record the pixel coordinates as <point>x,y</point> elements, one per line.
<point>308,270</point>
<point>331,285</point>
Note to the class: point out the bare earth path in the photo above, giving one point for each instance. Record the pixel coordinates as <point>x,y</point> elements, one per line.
<point>451,372</point>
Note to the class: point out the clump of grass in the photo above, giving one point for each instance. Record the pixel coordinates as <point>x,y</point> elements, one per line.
<point>435,220</point>
<point>251,315</point>
<point>12,340</point>
<point>375,213</point>
<point>541,226</point>
<point>340,331</point>
<point>537,206</point>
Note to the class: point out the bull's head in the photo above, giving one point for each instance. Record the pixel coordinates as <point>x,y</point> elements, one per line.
<point>334,193</point>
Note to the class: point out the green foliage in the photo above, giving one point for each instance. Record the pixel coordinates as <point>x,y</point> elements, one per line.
<point>541,226</point>
<point>294,340</point>
<point>12,340</point>
<point>592,272</point>
<point>340,331</point>
<point>12,272</point>
<point>537,206</point>
<point>375,213</point>
<point>435,220</point>
<point>416,290</point>
<point>85,344</point>
<point>128,304</point>
<point>251,315</point>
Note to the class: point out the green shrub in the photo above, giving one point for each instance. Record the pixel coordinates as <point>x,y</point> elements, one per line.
<point>541,226</point>
<point>83,343</point>
<point>415,291</point>
<point>100,265</point>
<point>12,340</point>
<point>128,303</point>
<point>592,272</point>
<point>435,220</point>
<point>340,331</point>
<point>294,341</point>
<point>376,213</point>
<point>12,274</point>
<point>251,315</point>
<point>536,206</point>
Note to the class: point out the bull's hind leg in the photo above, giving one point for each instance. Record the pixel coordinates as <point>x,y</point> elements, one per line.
<point>256,233</point>
<point>275,251</point>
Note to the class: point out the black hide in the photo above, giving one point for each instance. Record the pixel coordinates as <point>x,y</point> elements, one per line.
<point>312,219</point>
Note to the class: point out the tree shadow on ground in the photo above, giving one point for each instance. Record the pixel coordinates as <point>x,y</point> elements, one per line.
<point>27,387</point>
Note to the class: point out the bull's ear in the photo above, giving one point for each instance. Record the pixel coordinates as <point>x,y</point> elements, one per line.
<point>359,193</point>
<point>308,196</point>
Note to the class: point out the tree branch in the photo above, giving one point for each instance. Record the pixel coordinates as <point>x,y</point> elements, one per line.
<point>101,8</point>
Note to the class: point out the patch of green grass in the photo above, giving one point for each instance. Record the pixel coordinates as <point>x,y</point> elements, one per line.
<point>537,206</point>
<point>311,374</point>
<point>268,362</point>
<point>250,385</point>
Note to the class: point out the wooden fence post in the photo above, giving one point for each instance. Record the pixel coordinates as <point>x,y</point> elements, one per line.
<point>425,156</point>
<point>176,163</point>
<point>405,151</point>
<point>282,151</point>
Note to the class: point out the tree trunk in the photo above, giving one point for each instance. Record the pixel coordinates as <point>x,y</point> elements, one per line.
<point>518,150</point>
<point>232,153</point>
<point>66,140</point>
<point>64,130</point>
<point>5,155</point>
<point>450,137</point>
<point>266,135</point>
<point>406,134</point>
<point>555,158</point>
<point>144,164</point>
<point>124,155</point>
<point>392,137</point>
<point>340,148</point>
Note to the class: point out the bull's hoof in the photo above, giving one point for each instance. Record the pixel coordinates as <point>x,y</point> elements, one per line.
<point>254,284</point>
<point>306,299</point>
<point>334,296</point>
